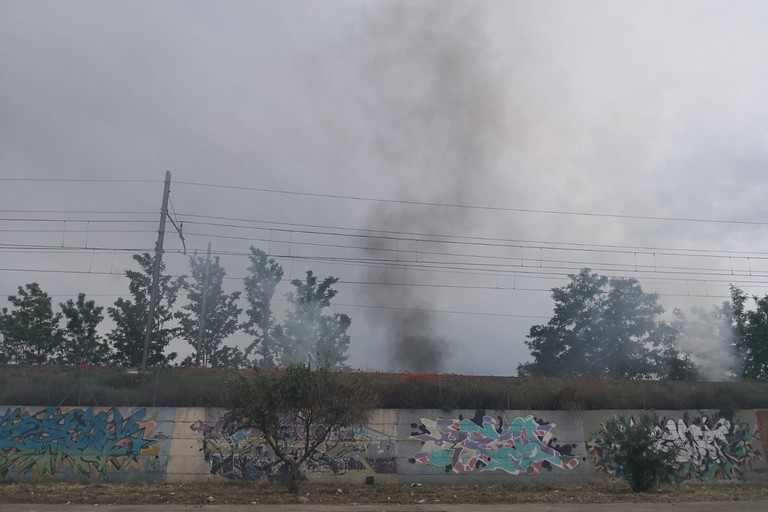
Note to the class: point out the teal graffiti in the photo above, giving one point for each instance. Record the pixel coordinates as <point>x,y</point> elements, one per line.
<point>524,446</point>
<point>82,439</point>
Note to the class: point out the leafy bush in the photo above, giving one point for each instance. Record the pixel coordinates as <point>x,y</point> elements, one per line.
<point>634,449</point>
<point>295,410</point>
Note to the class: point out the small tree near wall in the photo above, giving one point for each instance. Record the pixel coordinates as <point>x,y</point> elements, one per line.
<point>634,447</point>
<point>296,410</point>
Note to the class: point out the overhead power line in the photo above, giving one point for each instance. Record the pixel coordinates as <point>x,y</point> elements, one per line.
<point>81,221</point>
<point>356,283</point>
<point>452,312</point>
<point>418,259</point>
<point>84,212</point>
<point>518,272</point>
<point>497,263</point>
<point>392,235</point>
<point>81,180</point>
<point>70,248</point>
<point>401,235</point>
<point>557,268</point>
<point>397,201</point>
<point>519,244</point>
<point>468,206</point>
<point>77,231</point>
<point>505,243</point>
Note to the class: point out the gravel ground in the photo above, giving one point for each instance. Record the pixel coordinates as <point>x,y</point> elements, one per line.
<point>239,493</point>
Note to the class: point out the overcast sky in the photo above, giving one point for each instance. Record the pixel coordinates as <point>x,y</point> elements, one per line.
<point>523,115</point>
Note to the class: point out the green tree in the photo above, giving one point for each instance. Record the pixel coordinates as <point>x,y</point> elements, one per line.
<point>296,410</point>
<point>82,342</point>
<point>750,327</point>
<point>603,328</point>
<point>221,314</point>
<point>633,446</point>
<point>31,328</point>
<point>261,283</point>
<point>228,357</point>
<point>309,334</point>
<point>130,317</point>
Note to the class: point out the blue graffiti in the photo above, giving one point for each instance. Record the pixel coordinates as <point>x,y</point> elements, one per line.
<point>83,439</point>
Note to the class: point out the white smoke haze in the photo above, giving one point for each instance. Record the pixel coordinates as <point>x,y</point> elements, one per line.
<point>709,338</point>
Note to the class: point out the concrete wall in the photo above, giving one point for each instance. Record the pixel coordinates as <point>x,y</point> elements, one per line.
<point>71,443</point>
<point>712,445</point>
<point>427,446</point>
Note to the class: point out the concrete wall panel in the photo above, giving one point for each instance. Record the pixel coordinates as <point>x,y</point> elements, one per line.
<point>426,446</point>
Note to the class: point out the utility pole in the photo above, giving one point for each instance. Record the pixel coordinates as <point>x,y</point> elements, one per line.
<point>201,327</point>
<point>156,270</point>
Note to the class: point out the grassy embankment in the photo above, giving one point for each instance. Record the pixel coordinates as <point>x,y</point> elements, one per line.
<point>195,387</point>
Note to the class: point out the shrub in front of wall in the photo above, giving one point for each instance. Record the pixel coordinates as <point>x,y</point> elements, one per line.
<point>631,445</point>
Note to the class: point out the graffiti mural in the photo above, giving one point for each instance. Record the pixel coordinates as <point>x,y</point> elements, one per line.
<point>707,447</point>
<point>243,453</point>
<point>761,418</point>
<point>87,443</point>
<point>523,446</point>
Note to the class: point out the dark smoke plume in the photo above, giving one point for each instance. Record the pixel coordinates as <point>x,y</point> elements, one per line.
<point>439,110</point>
<point>414,350</point>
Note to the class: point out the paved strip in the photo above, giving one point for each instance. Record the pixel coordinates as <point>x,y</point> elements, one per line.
<point>709,506</point>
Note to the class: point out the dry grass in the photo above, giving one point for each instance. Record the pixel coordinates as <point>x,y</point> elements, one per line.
<point>241,493</point>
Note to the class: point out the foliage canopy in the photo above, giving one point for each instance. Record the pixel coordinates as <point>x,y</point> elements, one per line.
<point>264,275</point>
<point>750,328</point>
<point>130,317</point>
<point>83,343</point>
<point>219,311</point>
<point>30,330</point>
<point>605,328</point>
<point>307,335</point>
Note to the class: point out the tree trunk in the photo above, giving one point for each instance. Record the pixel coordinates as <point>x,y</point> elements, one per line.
<point>294,479</point>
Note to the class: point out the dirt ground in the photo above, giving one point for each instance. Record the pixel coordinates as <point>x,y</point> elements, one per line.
<point>239,493</point>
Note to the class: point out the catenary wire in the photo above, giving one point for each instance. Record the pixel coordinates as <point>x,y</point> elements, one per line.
<point>467,206</point>
<point>442,238</point>
<point>346,282</point>
<point>392,201</point>
<point>441,266</point>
